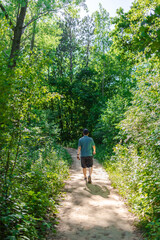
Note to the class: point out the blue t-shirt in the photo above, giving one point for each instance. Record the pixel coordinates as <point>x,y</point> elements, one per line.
<point>86,144</point>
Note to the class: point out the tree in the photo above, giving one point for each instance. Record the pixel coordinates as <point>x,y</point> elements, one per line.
<point>86,38</point>
<point>102,41</point>
<point>26,12</point>
<point>138,29</point>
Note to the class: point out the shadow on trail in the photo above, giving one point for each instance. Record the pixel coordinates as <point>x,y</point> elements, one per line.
<point>78,232</point>
<point>92,211</point>
<point>95,189</point>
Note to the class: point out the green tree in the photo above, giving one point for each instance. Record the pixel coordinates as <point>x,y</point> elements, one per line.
<point>102,43</point>
<point>86,39</point>
<point>25,13</point>
<point>135,161</point>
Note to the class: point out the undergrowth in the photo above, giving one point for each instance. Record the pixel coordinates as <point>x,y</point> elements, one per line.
<point>29,209</point>
<point>138,181</point>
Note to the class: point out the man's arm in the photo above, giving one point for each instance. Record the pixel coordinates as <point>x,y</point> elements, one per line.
<point>94,149</point>
<point>78,152</point>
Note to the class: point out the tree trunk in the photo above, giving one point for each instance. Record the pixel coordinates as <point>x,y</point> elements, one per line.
<point>103,80</point>
<point>88,47</point>
<point>71,55</point>
<point>18,30</point>
<point>33,35</point>
<point>71,66</point>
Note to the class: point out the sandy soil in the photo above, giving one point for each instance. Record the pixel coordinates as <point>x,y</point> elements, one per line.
<point>93,211</point>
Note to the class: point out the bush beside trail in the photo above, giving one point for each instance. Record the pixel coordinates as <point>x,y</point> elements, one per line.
<point>31,206</point>
<point>133,165</point>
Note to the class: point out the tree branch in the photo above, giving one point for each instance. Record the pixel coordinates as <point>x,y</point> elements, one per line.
<point>43,14</point>
<point>6,15</point>
<point>35,18</point>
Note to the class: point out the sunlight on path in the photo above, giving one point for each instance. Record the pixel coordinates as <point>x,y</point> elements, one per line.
<point>93,211</point>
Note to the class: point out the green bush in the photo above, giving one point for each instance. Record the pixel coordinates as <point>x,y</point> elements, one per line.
<point>34,195</point>
<point>134,165</point>
<point>111,115</point>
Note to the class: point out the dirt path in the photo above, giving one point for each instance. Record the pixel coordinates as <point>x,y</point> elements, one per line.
<point>93,211</point>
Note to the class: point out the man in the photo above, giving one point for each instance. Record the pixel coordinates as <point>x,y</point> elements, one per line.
<point>85,145</point>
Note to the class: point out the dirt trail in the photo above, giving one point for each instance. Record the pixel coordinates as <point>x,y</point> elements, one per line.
<point>93,211</point>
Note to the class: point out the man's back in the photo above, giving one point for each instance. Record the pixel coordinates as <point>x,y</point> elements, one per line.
<point>86,144</point>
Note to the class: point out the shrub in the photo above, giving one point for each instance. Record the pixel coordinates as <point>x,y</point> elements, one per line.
<point>34,195</point>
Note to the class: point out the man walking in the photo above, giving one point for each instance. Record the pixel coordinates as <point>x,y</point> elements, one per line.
<point>85,146</point>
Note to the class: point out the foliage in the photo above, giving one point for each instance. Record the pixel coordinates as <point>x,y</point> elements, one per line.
<point>136,162</point>
<point>111,115</point>
<point>33,167</point>
<point>60,74</point>
<point>138,30</point>
<point>33,193</point>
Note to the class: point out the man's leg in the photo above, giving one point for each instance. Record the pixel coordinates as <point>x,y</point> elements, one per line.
<point>90,171</point>
<point>84,172</point>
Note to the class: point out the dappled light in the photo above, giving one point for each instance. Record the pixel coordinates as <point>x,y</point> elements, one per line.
<point>93,211</point>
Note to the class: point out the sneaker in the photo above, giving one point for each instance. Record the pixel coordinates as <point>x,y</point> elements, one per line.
<point>89,179</point>
<point>85,178</point>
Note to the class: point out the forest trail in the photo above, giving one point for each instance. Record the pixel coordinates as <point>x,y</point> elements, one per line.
<point>93,211</point>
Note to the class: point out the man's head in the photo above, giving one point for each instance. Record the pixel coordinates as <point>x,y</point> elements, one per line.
<point>85,132</point>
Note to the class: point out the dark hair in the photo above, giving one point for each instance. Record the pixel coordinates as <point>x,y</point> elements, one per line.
<point>85,131</point>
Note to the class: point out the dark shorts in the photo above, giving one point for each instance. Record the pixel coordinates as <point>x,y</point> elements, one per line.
<point>86,162</point>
